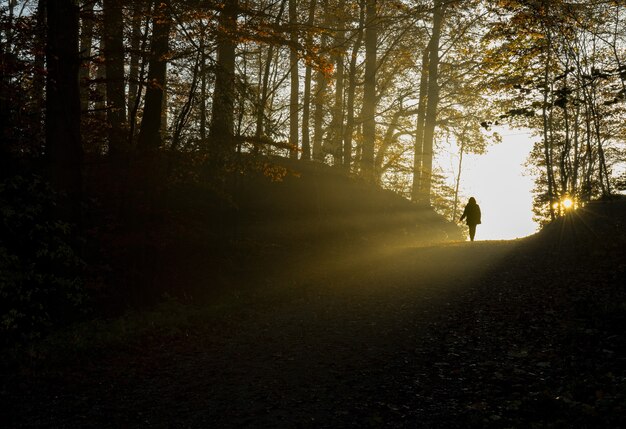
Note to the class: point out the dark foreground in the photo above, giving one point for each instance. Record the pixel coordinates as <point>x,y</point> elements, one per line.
<point>526,333</point>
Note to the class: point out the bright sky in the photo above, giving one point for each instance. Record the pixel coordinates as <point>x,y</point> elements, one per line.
<point>502,187</point>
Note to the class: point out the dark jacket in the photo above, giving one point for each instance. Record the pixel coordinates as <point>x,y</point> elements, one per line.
<point>472,213</point>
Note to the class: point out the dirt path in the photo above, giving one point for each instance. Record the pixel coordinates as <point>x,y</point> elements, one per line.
<point>485,334</point>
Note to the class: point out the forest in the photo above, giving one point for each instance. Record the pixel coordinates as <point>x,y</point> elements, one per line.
<point>240,203</point>
<point>108,105</point>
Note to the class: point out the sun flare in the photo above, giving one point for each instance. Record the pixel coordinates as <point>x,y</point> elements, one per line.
<point>567,203</point>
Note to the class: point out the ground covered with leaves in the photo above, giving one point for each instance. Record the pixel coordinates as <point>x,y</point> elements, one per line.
<point>524,333</point>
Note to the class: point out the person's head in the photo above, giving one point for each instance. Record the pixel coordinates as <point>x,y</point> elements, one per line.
<point>472,200</point>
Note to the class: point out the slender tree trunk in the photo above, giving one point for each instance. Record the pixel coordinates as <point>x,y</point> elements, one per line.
<point>565,153</point>
<point>242,103</point>
<point>387,141</point>
<point>339,54</point>
<point>273,87</point>
<point>306,101</point>
<point>546,136</point>
<point>418,155</point>
<point>603,175</point>
<point>114,63</point>
<point>135,53</point>
<point>132,117</point>
<point>222,115</point>
<point>321,84</point>
<point>9,28</point>
<point>100,83</point>
<point>318,115</point>
<point>149,139</point>
<point>63,143</point>
<point>430,121</point>
<point>295,81</point>
<point>203,87</point>
<point>349,131</point>
<point>39,80</point>
<point>6,104</point>
<point>595,117</point>
<point>263,104</point>
<point>164,111</point>
<point>86,39</point>
<point>183,117</point>
<point>369,92</point>
<point>306,114</point>
<point>457,183</point>
<point>589,154</point>
<point>575,145</point>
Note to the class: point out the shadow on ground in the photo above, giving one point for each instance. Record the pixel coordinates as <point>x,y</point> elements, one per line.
<point>524,333</point>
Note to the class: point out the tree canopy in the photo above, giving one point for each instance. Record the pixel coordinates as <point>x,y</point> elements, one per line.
<point>368,86</point>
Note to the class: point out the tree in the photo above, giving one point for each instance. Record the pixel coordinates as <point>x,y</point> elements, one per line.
<point>135,44</point>
<point>115,86</point>
<point>416,193</point>
<point>149,139</point>
<point>368,111</point>
<point>321,90</point>
<point>295,81</point>
<point>86,40</point>
<point>221,131</point>
<point>564,81</point>
<point>431,104</point>
<point>336,127</point>
<point>351,90</point>
<point>63,141</point>
<point>306,100</point>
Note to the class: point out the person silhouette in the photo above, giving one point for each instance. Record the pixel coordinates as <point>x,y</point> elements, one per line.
<point>472,216</point>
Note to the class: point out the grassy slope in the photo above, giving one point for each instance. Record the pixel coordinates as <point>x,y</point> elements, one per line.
<point>199,242</point>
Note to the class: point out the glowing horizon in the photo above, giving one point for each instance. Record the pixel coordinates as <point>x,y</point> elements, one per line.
<point>502,187</point>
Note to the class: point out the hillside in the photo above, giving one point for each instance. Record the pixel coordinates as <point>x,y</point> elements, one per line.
<point>277,214</point>
<point>315,200</point>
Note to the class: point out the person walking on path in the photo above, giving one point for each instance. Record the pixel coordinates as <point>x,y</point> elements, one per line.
<point>472,216</point>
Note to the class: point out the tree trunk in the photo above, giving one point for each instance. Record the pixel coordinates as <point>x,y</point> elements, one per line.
<point>149,139</point>
<point>295,81</point>
<point>114,63</point>
<point>132,116</point>
<point>369,92</point>
<point>589,154</point>
<point>263,104</point>
<point>183,116</point>
<point>547,149</point>
<point>457,183</point>
<point>431,104</point>
<point>63,143</point>
<point>603,175</point>
<point>39,80</point>
<point>306,101</point>
<point>349,131</point>
<point>386,143</point>
<point>86,39</point>
<point>575,145</point>
<point>321,83</point>
<point>100,83</point>
<point>164,111</point>
<point>203,87</point>
<point>222,115</point>
<point>135,54</point>
<point>339,54</point>
<point>419,129</point>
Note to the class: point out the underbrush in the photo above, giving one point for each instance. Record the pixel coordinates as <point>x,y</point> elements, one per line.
<point>41,282</point>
